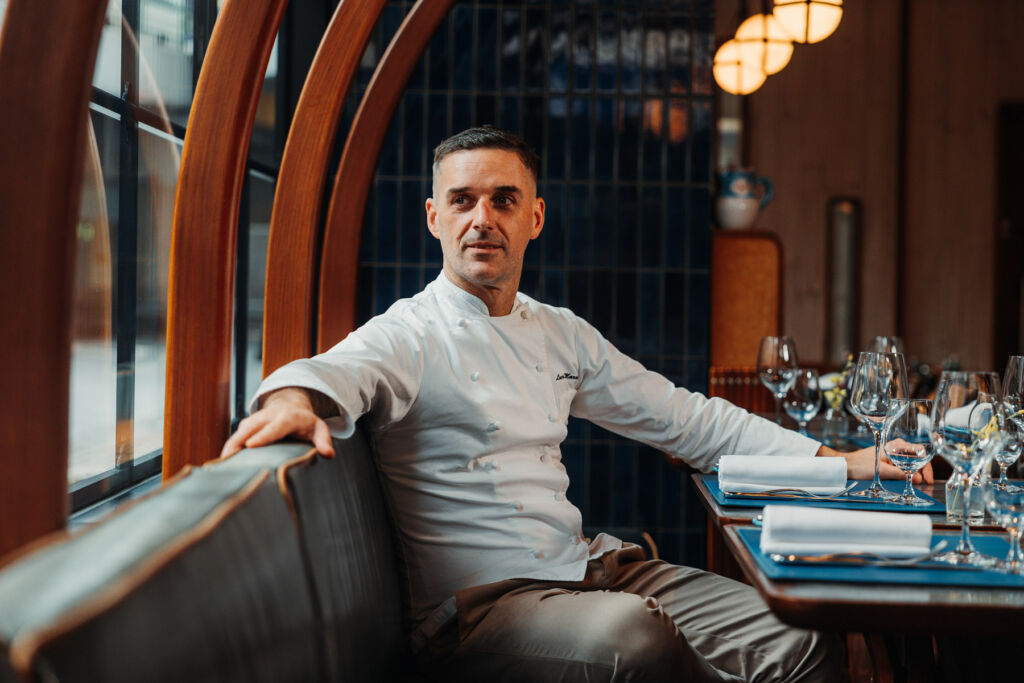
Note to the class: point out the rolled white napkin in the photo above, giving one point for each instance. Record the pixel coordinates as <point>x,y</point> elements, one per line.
<point>755,473</point>
<point>815,531</point>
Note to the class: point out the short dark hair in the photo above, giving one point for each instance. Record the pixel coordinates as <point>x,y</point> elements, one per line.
<point>489,137</point>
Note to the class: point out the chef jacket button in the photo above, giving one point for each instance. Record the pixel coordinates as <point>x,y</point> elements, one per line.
<point>524,315</point>
<point>552,418</point>
<point>474,376</point>
<point>575,540</point>
<point>540,367</point>
<point>538,554</point>
<point>519,506</point>
<point>492,426</point>
<point>559,496</point>
<point>462,322</point>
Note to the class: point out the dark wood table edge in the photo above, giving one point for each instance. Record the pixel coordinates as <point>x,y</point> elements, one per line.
<point>848,615</point>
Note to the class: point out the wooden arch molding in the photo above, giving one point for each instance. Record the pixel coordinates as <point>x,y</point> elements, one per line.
<point>295,220</point>
<point>199,308</point>
<point>44,99</point>
<point>339,263</point>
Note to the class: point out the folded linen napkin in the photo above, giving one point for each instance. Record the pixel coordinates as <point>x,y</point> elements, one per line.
<point>813,531</point>
<point>754,473</point>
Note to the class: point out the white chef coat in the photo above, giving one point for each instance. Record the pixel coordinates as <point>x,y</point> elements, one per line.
<point>466,414</point>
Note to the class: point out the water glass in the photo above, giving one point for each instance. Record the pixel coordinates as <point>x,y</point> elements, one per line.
<point>777,366</point>
<point>1006,506</point>
<point>878,379</point>
<point>908,445</point>
<point>886,344</point>
<point>803,400</point>
<point>962,434</point>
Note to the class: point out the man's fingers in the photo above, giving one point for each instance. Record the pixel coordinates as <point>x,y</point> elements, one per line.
<point>322,439</point>
<point>246,428</point>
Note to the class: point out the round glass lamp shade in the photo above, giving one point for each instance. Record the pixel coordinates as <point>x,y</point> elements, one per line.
<point>764,41</point>
<point>735,75</point>
<point>808,21</point>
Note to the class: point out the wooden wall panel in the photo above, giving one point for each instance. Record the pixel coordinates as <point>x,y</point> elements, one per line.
<point>340,258</point>
<point>294,225</point>
<point>200,303</point>
<point>44,94</point>
<point>827,126</point>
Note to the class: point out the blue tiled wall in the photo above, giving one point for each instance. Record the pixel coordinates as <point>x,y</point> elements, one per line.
<point>616,97</point>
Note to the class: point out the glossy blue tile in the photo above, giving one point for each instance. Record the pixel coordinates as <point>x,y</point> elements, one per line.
<point>652,232</point>
<point>486,110</point>
<point>486,58</point>
<point>580,223</point>
<point>574,459</point>
<point>603,230</point>
<point>583,50</point>
<point>579,293</point>
<point>698,314</point>
<point>462,47</point>
<point>654,136</point>
<point>578,429</point>
<point>580,147</point>
<point>676,227</point>
<point>674,316</point>
<point>413,222</point>
<point>387,162</point>
<point>559,43</point>
<point>703,55</point>
<point>384,290</point>
<point>697,374</point>
<point>625,312</point>
<point>603,302</point>
<point>599,486</point>
<point>387,222</point>
<point>367,243</point>
<point>433,252</point>
<point>656,54</point>
<point>414,146</point>
<point>439,60</point>
<point>680,58</point>
<point>628,225</point>
<point>364,294</point>
<point>700,132</point>
<point>674,369</point>
<point>536,59</point>
<point>607,51</point>
<point>623,471</point>
<point>510,113</point>
<point>437,125</point>
<point>555,156</point>
<point>554,234</point>
<point>554,288</point>
<point>529,283</point>
<point>461,113</point>
<point>629,139</point>
<point>534,121</point>
<point>671,502</point>
<point>511,53</point>
<point>649,313</point>
<point>648,472</point>
<point>631,47</point>
<point>699,251</point>
<point>679,142</point>
<point>604,138</point>
<point>410,281</point>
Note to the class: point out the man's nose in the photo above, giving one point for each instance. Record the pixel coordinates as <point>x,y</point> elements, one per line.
<point>483,217</point>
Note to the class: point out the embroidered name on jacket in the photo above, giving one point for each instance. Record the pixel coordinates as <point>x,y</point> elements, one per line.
<point>566,375</point>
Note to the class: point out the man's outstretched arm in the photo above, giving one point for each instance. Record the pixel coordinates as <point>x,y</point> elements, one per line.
<point>861,465</point>
<point>290,411</point>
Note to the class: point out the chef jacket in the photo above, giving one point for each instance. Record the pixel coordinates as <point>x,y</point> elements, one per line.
<point>466,412</point>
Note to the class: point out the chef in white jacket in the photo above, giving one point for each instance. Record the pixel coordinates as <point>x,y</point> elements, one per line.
<point>467,388</point>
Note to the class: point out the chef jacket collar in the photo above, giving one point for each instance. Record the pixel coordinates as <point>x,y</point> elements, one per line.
<point>466,301</point>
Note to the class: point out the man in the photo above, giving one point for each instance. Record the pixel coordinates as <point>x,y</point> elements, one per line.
<point>467,388</point>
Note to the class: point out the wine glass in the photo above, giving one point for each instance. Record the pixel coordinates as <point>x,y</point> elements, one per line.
<point>886,344</point>
<point>878,379</point>
<point>776,366</point>
<point>803,400</point>
<point>1013,415</point>
<point>962,435</point>
<point>909,447</point>
<point>1006,505</point>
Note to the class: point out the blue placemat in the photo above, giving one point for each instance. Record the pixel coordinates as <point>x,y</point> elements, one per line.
<point>711,481</point>
<point>858,440</point>
<point>920,575</point>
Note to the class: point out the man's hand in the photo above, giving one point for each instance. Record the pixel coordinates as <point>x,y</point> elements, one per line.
<point>285,412</point>
<point>861,465</point>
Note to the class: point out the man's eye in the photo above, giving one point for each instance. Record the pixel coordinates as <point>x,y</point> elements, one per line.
<point>503,200</point>
<point>461,199</point>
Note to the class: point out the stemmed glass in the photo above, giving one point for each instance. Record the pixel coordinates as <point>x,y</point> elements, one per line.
<point>884,344</point>
<point>776,366</point>
<point>1006,505</point>
<point>962,435</point>
<point>803,400</point>
<point>909,447</point>
<point>1013,416</point>
<point>878,379</point>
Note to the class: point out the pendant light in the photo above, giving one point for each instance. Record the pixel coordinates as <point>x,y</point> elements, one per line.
<point>763,40</point>
<point>734,72</point>
<point>808,21</point>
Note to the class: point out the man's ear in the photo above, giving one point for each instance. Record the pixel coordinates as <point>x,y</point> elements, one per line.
<point>432,218</point>
<point>538,218</point>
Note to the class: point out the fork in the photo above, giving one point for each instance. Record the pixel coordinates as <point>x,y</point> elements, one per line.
<point>797,493</point>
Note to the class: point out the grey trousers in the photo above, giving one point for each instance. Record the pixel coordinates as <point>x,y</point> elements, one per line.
<point>629,619</point>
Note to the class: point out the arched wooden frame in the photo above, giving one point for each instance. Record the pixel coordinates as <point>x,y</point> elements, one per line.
<point>340,257</point>
<point>47,57</point>
<point>199,308</point>
<point>295,220</point>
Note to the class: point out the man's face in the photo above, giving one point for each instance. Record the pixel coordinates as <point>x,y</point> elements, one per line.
<point>485,210</point>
